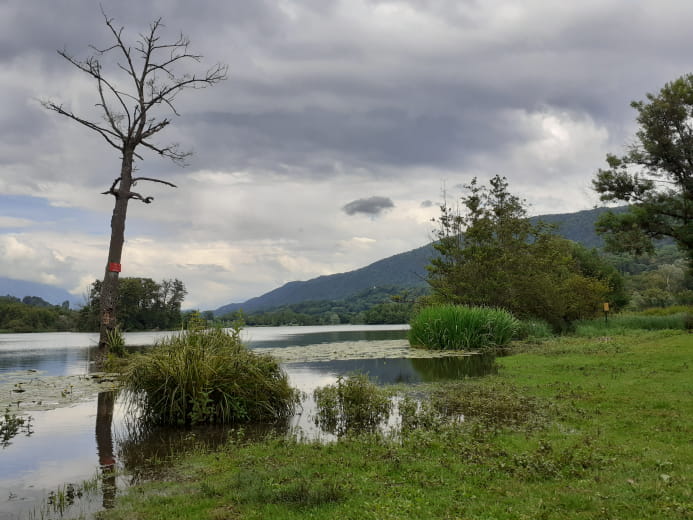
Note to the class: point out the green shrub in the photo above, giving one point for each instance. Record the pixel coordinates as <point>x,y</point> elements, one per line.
<point>533,329</point>
<point>208,376</point>
<point>354,404</point>
<point>665,311</point>
<point>456,327</point>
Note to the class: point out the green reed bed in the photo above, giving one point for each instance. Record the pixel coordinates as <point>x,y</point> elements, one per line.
<point>457,327</point>
<point>207,376</point>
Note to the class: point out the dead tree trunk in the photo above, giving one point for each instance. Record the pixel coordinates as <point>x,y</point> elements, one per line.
<point>109,288</point>
<point>130,121</point>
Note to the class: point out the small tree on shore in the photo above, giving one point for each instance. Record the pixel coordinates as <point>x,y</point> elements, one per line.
<point>491,254</point>
<point>145,80</point>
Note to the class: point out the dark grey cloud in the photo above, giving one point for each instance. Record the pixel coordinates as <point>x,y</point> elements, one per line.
<point>371,206</point>
<point>427,204</point>
<point>300,97</point>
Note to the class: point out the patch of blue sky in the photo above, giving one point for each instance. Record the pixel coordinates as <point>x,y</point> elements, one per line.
<point>37,213</point>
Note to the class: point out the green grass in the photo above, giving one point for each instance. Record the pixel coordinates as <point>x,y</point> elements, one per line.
<point>620,323</point>
<point>207,376</point>
<point>458,327</point>
<point>572,428</point>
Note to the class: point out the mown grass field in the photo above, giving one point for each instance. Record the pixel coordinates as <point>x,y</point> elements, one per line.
<point>570,428</point>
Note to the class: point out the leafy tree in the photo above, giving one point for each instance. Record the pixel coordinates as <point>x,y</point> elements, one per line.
<point>150,74</point>
<point>142,304</point>
<point>655,175</point>
<point>491,254</point>
<point>35,301</point>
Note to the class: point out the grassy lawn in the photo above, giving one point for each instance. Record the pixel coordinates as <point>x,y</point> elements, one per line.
<point>570,428</point>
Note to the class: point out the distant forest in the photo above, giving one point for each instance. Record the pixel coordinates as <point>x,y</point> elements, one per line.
<point>143,304</point>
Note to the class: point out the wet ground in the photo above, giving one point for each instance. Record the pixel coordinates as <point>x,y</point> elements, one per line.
<point>79,426</point>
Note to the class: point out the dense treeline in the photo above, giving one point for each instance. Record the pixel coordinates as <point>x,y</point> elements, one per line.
<point>386,304</point>
<point>657,280</point>
<point>143,304</point>
<point>34,314</point>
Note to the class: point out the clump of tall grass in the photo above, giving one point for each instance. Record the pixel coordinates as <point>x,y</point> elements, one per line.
<point>620,323</point>
<point>208,376</point>
<point>456,327</point>
<point>533,329</point>
<point>116,342</point>
<point>353,405</point>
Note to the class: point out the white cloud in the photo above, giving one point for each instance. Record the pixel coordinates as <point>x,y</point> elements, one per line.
<point>13,222</point>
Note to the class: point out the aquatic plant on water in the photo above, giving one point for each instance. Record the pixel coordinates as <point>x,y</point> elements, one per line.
<point>12,425</point>
<point>352,405</point>
<point>116,342</point>
<point>458,327</point>
<point>208,376</point>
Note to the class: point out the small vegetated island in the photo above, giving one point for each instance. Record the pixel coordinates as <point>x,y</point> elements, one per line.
<point>203,376</point>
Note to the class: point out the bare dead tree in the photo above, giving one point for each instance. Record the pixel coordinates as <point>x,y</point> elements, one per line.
<point>144,82</point>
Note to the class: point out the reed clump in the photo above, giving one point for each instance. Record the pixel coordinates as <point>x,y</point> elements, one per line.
<point>208,376</point>
<point>458,327</point>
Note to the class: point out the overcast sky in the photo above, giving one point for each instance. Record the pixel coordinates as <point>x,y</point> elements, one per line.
<point>329,145</point>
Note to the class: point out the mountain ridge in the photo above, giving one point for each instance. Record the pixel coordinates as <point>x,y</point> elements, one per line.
<point>22,288</point>
<point>407,269</point>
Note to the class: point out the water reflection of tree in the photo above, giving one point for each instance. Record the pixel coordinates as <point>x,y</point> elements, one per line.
<point>144,450</point>
<point>454,367</point>
<point>104,446</point>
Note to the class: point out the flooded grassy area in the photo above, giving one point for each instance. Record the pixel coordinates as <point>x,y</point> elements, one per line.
<point>573,428</point>
<point>32,390</point>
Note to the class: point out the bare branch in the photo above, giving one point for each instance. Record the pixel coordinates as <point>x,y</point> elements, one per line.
<point>171,151</point>
<point>149,66</point>
<point>109,135</point>
<point>167,93</point>
<point>137,196</point>
<point>112,190</point>
<point>134,181</point>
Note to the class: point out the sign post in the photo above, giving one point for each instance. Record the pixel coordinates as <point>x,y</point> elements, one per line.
<point>606,312</point>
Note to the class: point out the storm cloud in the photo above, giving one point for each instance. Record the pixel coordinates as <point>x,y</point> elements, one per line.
<point>371,206</point>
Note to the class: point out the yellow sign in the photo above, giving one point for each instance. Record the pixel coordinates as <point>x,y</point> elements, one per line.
<point>606,307</point>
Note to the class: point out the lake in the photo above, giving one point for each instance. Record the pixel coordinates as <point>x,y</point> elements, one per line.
<point>69,444</point>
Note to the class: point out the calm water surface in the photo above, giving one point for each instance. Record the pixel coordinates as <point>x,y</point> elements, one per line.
<point>69,445</point>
